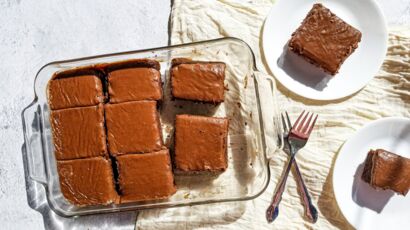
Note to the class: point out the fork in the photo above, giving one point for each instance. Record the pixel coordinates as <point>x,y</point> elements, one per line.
<point>310,209</point>
<point>297,138</point>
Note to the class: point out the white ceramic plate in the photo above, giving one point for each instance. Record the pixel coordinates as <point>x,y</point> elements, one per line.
<point>301,77</point>
<point>363,206</point>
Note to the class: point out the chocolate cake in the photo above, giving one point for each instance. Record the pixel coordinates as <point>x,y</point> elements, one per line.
<point>78,132</point>
<point>200,143</point>
<point>134,84</point>
<point>197,81</point>
<point>386,170</point>
<point>116,105</point>
<point>145,176</point>
<point>133,127</point>
<point>77,91</point>
<point>87,181</point>
<point>324,39</point>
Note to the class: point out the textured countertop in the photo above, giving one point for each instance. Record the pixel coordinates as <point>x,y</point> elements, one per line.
<point>33,33</point>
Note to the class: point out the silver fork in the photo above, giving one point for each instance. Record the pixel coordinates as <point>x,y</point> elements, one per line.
<point>297,138</point>
<point>310,209</point>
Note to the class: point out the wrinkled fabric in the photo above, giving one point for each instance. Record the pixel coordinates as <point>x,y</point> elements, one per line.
<point>388,94</point>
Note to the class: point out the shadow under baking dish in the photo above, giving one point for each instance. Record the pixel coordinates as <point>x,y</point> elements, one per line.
<point>247,175</point>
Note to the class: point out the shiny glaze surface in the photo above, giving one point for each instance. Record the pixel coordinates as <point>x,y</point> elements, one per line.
<point>78,132</point>
<point>75,91</point>
<point>87,181</point>
<point>324,39</point>
<point>146,176</point>
<point>386,170</point>
<point>200,143</point>
<point>133,127</point>
<point>198,81</point>
<point>134,84</point>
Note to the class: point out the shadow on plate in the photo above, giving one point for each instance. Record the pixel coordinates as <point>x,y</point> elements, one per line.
<point>366,196</point>
<point>302,71</point>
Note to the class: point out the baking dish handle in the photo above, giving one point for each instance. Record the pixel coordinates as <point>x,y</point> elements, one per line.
<point>32,129</point>
<point>270,110</point>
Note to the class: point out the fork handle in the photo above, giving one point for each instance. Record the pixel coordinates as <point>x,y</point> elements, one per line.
<point>310,210</point>
<point>273,210</point>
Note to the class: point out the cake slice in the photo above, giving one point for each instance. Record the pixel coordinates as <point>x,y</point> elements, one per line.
<point>324,39</point>
<point>134,80</point>
<point>87,181</point>
<point>78,91</point>
<point>200,143</point>
<point>145,176</point>
<point>197,81</point>
<point>386,170</point>
<point>78,132</point>
<point>133,127</point>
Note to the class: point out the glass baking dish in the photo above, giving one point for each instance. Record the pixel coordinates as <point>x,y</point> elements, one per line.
<point>248,173</point>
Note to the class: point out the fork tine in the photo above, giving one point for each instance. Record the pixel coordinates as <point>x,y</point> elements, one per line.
<point>284,123</point>
<point>297,121</point>
<point>302,123</point>
<point>306,125</point>
<point>312,125</point>
<point>288,120</point>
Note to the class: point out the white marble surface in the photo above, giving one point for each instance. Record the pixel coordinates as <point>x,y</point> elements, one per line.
<point>33,33</point>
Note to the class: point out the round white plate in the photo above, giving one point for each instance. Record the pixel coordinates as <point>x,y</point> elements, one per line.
<point>309,81</point>
<point>363,206</point>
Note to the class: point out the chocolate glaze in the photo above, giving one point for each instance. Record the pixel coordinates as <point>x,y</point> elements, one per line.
<point>145,176</point>
<point>78,71</point>
<point>87,181</point>
<point>78,132</point>
<point>324,39</point>
<point>131,63</point>
<point>134,84</point>
<point>200,143</point>
<point>75,91</point>
<point>386,170</point>
<point>198,81</point>
<point>133,127</point>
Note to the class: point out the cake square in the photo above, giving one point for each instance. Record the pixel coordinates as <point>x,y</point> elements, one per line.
<point>198,81</point>
<point>200,143</point>
<point>145,176</point>
<point>386,170</point>
<point>78,132</point>
<point>87,181</point>
<point>134,84</point>
<point>133,127</point>
<point>324,39</point>
<point>77,91</point>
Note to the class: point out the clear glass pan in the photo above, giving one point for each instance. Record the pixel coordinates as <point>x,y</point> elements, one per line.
<point>248,173</point>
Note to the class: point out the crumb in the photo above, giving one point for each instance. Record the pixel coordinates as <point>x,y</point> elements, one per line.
<point>238,104</point>
<point>186,195</point>
<point>246,123</point>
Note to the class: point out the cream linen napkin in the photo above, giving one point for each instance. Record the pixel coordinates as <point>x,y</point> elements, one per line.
<point>388,94</point>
